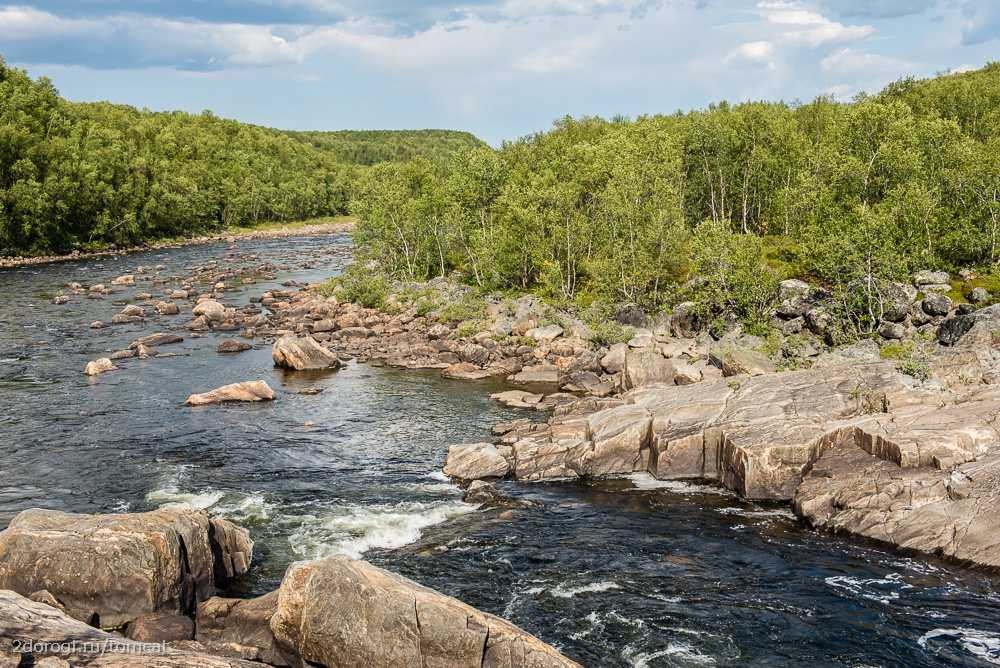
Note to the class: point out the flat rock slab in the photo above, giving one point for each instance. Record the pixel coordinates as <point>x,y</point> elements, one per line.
<point>154,340</point>
<point>859,446</point>
<point>251,390</point>
<point>543,373</point>
<point>951,513</point>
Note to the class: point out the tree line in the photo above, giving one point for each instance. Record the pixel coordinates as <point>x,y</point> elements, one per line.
<point>83,175</point>
<point>370,147</point>
<point>852,195</point>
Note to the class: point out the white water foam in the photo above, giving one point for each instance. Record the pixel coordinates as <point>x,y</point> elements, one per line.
<point>872,589</point>
<point>680,652</point>
<point>172,496</point>
<point>646,482</point>
<point>354,529</point>
<point>981,644</point>
<point>322,529</point>
<point>564,591</point>
<point>758,513</point>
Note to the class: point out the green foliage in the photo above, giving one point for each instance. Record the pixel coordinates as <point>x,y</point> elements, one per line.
<point>469,328</point>
<point>606,332</point>
<point>469,306</point>
<point>913,359</point>
<point>358,286</point>
<point>735,276</point>
<point>371,147</point>
<point>76,175</point>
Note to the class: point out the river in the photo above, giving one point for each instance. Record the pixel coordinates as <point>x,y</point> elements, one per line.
<point>618,572</point>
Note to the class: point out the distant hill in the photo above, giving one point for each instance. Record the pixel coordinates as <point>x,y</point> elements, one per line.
<point>370,147</point>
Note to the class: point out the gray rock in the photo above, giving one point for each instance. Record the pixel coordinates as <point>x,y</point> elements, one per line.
<point>646,367</point>
<point>685,322</point>
<point>817,320</point>
<point>795,307</point>
<point>927,277</point>
<point>893,331</point>
<point>545,334</point>
<point>937,305</point>
<point>233,346</point>
<point>631,316</point>
<point>979,295</point>
<point>541,373</point>
<point>740,361</point>
<point>865,349</point>
<point>614,361</point>
<point>790,288</point>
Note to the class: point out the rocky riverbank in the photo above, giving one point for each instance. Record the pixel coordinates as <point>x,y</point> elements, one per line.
<point>307,230</point>
<point>153,578</point>
<point>879,448</point>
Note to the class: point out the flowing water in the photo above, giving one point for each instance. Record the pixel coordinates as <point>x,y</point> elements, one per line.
<point>620,572</point>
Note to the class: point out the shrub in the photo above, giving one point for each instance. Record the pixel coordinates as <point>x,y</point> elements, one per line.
<point>358,286</point>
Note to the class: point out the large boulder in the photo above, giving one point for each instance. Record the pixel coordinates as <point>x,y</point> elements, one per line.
<point>250,390</point>
<point>646,367</point>
<point>937,305</point>
<point>341,611</point>
<point>545,334</point>
<point>631,316</point>
<point>686,321</point>
<point>291,352</point>
<point>123,566</point>
<point>740,361</point>
<point>985,321</point>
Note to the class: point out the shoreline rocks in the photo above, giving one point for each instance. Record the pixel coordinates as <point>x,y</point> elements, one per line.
<point>148,571</point>
<point>123,566</point>
<point>822,439</point>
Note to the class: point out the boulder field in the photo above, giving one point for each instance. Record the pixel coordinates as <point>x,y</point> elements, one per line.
<point>859,448</point>
<point>62,575</point>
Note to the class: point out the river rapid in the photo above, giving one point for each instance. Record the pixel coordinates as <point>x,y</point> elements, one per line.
<point>620,572</point>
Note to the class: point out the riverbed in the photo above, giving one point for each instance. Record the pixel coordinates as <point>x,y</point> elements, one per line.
<point>617,572</point>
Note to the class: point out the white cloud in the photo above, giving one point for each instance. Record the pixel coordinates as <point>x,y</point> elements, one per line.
<point>849,61</point>
<point>23,22</point>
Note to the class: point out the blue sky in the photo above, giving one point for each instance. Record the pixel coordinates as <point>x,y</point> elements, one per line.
<point>498,68</point>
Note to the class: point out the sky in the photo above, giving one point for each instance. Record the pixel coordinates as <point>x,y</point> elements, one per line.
<point>500,69</point>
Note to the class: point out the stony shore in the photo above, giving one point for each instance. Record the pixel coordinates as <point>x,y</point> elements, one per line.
<point>305,231</point>
<point>152,580</point>
<point>900,451</point>
<point>895,450</point>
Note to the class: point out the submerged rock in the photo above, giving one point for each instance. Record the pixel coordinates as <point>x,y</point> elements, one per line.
<point>99,366</point>
<point>251,390</point>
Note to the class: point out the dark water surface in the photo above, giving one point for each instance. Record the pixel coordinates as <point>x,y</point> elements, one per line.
<point>623,572</point>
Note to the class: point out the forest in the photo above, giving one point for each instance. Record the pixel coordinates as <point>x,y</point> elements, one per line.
<point>370,147</point>
<point>85,175</point>
<point>716,205</point>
